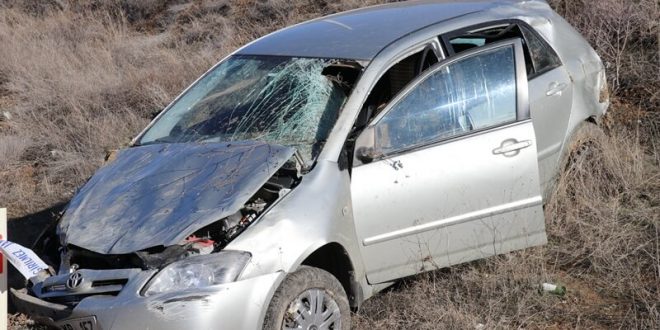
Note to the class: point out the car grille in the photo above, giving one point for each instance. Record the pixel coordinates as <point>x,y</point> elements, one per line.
<point>92,282</point>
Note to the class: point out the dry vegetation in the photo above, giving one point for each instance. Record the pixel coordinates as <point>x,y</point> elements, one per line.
<point>79,77</point>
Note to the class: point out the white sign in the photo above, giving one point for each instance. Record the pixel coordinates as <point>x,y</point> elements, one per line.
<point>24,259</point>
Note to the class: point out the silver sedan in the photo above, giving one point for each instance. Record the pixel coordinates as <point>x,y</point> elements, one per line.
<point>313,167</point>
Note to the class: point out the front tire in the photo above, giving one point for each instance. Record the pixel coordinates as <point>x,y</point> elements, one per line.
<point>309,299</point>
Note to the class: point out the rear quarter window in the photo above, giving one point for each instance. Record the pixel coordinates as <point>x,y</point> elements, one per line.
<point>543,57</point>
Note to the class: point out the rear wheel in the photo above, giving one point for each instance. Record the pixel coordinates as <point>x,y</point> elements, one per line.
<point>585,141</point>
<point>309,299</point>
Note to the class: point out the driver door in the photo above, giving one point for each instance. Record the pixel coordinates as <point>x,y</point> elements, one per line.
<point>448,172</point>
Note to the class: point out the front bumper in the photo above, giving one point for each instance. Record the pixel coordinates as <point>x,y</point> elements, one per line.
<point>238,305</point>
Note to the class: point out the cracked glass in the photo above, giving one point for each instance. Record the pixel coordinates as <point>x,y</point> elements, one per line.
<point>279,100</point>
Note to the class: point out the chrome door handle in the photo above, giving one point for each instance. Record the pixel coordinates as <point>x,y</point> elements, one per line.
<point>555,88</point>
<point>511,147</point>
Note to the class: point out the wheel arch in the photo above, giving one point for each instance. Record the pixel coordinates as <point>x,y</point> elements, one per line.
<point>334,258</point>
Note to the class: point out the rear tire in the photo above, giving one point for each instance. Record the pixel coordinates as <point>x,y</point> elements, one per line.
<point>309,298</point>
<point>585,140</point>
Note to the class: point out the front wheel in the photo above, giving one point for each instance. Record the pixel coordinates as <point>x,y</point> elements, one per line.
<point>309,299</point>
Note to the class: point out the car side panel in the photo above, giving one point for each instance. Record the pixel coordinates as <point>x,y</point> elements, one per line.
<point>550,114</point>
<point>584,66</point>
<point>317,212</point>
<point>462,198</point>
<point>589,98</point>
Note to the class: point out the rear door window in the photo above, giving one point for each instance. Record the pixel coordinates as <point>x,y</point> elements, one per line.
<point>463,40</point>
<point>539,56</point>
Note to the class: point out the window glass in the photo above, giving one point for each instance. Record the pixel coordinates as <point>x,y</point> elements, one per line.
<point>280,100</point>
<point>543,56</point>
<point>485,36</point>
<point>470,94</point>
<point>472,41</point>
<point>464,41</point>
<point>462,44</point>
<point>393,81</point>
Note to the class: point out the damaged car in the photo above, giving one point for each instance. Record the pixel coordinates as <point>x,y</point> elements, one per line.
<point>315,166</point>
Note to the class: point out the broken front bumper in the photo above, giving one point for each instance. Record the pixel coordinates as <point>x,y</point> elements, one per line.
<point>238,305</point>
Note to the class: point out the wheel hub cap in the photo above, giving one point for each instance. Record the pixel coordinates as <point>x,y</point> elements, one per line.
<point>313,309</point>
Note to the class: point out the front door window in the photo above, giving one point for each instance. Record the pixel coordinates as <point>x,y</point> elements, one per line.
<point>470,94</point>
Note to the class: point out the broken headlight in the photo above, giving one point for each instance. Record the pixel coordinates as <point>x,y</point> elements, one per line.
<point>199,271</point>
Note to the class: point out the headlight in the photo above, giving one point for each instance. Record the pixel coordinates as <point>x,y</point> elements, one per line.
<point>199,272</point>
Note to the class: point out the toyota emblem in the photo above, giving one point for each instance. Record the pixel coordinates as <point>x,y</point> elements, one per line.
<point>74,281</point>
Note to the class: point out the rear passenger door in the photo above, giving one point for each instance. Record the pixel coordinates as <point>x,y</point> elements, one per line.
<point>447,173</point>
<point>550,101</point>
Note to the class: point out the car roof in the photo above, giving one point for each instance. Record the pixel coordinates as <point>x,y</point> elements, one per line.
<point>361,34</point>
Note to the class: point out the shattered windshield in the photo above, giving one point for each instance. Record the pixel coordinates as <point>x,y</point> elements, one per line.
<point>280,100</point>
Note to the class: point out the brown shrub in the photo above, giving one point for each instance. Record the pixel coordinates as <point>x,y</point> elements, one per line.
<point>625,34</point>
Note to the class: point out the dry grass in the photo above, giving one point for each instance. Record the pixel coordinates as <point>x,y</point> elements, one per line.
<point>625,34</point>
<point>80,83</point>
<point>79,77</point>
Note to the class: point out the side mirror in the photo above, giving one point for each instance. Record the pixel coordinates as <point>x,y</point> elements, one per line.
<point>367,155</point>
<point>365,147</point>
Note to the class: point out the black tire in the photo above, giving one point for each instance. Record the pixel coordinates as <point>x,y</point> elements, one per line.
<point>296,284</point>
<point>587,138</point>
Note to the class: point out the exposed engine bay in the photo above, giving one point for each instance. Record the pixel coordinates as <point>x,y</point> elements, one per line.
<point>110,273</point>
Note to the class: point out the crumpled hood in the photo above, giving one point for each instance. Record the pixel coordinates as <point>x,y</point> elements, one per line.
<point>159,194</point>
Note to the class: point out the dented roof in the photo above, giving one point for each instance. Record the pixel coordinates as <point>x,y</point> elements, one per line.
<point>361,34</point>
